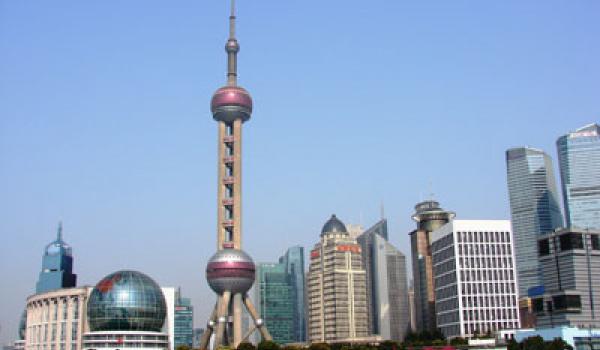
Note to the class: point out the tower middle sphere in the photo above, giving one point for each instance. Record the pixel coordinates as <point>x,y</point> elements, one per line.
<point>230,270</point>
<point>230,103</point>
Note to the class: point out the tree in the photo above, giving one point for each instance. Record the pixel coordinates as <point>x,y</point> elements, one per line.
<point>558,344</point>
<point>268,345</point>
<point>388,345</point>
<point>458,341</point>
<point>182,347</point>
<point>246,346</point>
<point>319,346</point>
<point>533,343</point>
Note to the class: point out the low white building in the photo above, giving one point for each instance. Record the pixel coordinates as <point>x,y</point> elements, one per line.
<point>475,277</point>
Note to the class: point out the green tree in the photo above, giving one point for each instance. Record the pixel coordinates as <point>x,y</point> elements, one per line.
<point>268,345</point>
<point>182,347</point>
<point>533,343</point>
<point>558,344</point>
<point>246,346</point>
<point>458,341</point>
<point>388,345</point>
<point>319,346</point>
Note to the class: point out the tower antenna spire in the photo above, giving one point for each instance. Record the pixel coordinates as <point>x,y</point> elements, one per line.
<point>59,233</point>
<point>232,47</point>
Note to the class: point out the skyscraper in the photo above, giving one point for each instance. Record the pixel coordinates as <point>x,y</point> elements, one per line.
<point>429,217</point>
<point>57,266</point>
<point>184,320</point>
<point>534,208</point>
<point>387,293</point>
<point>474,277</point>
<point>230,272</point>
<point>293,260</point>
<point>579,162</point>
<point>337,291</point>
<point>275,301</point>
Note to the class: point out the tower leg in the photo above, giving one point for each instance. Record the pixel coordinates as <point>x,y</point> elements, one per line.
<point>209,327</point>
<point>237,320</point>
<point>257,321</point>
<point>222,317</point>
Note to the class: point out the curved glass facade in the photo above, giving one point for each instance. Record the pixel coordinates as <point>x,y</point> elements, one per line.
<point>126,301</point>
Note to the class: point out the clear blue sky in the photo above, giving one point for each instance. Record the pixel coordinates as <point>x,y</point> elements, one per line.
<point>105,122</point>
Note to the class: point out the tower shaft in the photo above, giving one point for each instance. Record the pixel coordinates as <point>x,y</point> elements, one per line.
<point>229,194</point>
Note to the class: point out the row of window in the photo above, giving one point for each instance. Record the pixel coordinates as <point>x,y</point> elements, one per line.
<point>484,249</point>
<point>490,314</point>
<point>489,301</point>
<point>488,288</point>
<point>567,241</point>
<point>495,262</point>
<point>483,237</point>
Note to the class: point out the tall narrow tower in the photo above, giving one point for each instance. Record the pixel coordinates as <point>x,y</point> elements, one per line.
<point>230,272</point>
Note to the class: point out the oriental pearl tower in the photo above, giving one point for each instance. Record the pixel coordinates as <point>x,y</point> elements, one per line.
<point>230,272</point>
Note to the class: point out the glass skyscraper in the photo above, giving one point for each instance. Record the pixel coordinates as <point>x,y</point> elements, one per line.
<point>579,161</point>
<point>275,301</point>
<point>184,321</point>
<point>534,208</point>
<point>293,260</point>
<point>57,266</point>
<point>279,292</point>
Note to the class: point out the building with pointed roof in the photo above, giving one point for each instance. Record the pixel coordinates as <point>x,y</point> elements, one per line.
<point>57,266</point>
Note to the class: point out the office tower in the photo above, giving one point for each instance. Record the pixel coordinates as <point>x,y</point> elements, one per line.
<point>56,319</point>
<point>57,266</point>
<point>127,309</point>
<point>570,264</point>
<point>197,336</point>
<point>387,293</point>
<point>354,230</point>
<point>429,216</point>
<point>275,301</point>
<point>184,321</point>
<point>534,208</point>
<point>293,260</point>
<point>474,277</point>
<point>579,162</point>
<point>411,308</point>
<point>230,272</point>
<point>337,291</point>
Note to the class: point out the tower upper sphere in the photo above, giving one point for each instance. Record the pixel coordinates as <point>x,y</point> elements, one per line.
<point>230,103</point>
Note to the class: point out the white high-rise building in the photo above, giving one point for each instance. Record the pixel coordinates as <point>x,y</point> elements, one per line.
<point>475,277</point>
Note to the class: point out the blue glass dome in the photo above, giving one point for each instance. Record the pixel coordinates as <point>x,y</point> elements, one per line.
<point>333,225</point>
<point>126,301</point>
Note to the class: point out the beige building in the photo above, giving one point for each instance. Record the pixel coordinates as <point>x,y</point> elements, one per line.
<point>56,319</point>
<point>337,290</point>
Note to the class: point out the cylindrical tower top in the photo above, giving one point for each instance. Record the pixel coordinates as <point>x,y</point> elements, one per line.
<point>430,216</point>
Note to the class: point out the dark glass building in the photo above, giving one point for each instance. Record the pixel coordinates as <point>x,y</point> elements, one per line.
<point>293,262</point>
<point>57,266</point>
<point>275,301</point>
<point>184,321</point>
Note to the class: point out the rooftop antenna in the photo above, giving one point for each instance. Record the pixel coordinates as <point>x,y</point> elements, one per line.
<point>232,47</point>
<point>382,211</point>
<point>59,233</point>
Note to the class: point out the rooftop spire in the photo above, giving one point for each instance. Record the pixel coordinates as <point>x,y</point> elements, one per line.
<point>59,233</point>
<point>232,47</point>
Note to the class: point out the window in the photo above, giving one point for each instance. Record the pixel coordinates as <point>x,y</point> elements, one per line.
<point>595,242</point>
<point>543,247</point>
<point>537,305</point>
<point>571,241</point>
<point>564,302</point>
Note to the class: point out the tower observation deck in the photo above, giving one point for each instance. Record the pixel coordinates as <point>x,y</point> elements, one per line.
<point>230,272</point>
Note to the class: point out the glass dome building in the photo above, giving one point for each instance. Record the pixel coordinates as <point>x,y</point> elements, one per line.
<point>128,310</point>
<point>126,301</point>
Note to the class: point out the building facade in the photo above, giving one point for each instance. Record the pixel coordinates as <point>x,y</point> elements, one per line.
<point>293,260</point>
<point>387,292</point>
<point>429,216</point>
<point>579,162</point>
<point>184,321</point>
<point>475,277</point>
<point>570,261</point>
<point>275,301</point>
<point>534,208</point>
<point>56,320</point>
<point>337,291</point>
<point>57,266</point>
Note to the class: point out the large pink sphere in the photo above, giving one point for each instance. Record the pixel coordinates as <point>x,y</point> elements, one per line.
<point>232,270</point>
<point>230,103</point>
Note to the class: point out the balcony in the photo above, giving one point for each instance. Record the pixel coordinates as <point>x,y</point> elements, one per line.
<point>227,223</point>
<point>228,159</point>
<point>228,180</point>
<point>228,139</point>
<point>227,201</point>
